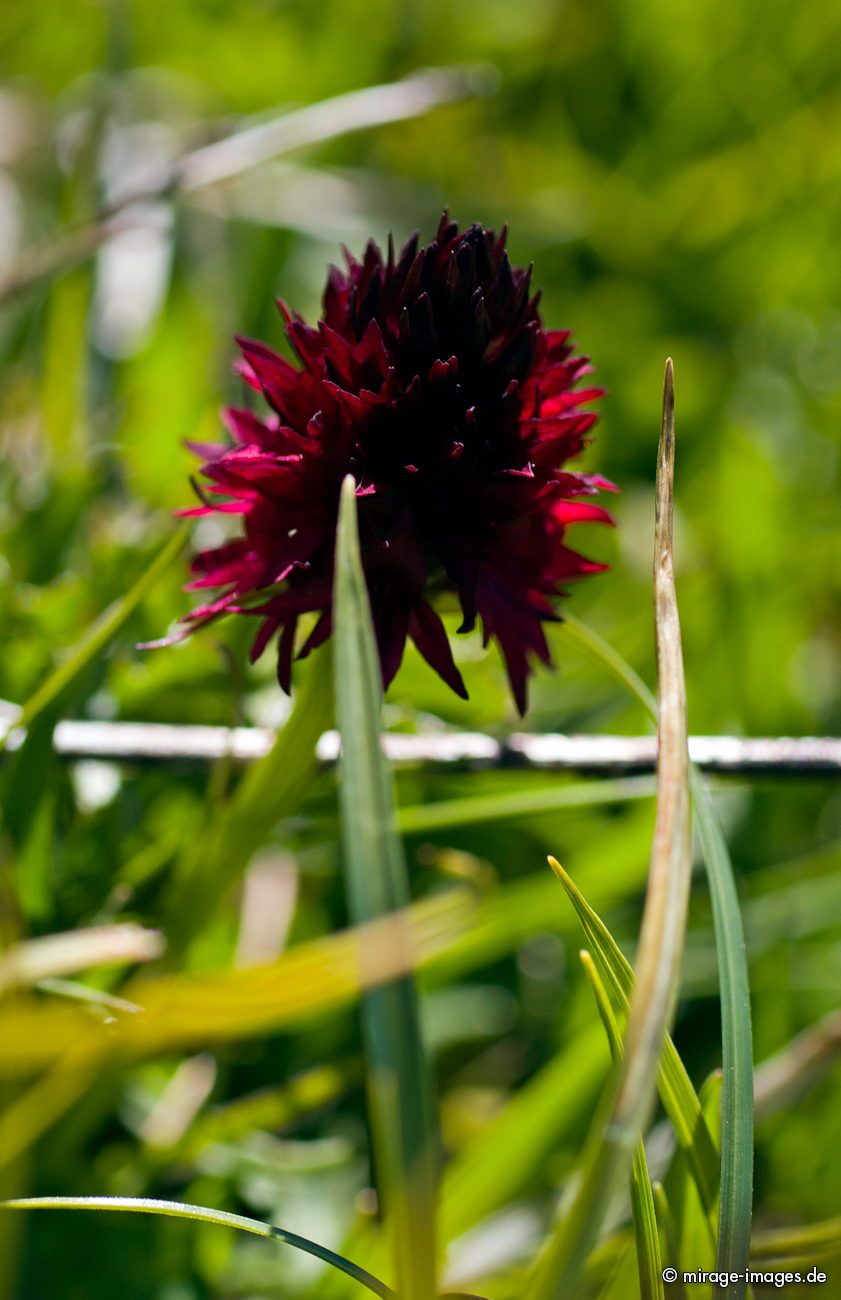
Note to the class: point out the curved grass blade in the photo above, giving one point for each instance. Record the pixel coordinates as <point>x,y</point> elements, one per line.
<point>98,635</point>
<point>595,647</point>
<point>195,1010</point>
<point>646,1236</point>
<point>680,1100</point>
<point>400,1094</point>
<point>737,1047</point>
<point>180,1210</point>
<point>609,1151</point>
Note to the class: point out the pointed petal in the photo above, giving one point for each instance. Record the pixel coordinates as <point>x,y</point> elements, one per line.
<point>430,636</point>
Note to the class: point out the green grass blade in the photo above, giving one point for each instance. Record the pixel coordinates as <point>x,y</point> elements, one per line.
<point>680,1100</point>
<point>480,810</point>
<point>646,1236</point>
<point>180,1210</point>
<point>595,647</point>
<point>609,1151</point>
<point>99,634</point>
<point>400,1095</point>
<point>737,1119</point>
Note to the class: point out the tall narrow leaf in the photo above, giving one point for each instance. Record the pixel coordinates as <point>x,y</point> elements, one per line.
<point>610,1148</point>
<point>736,1198</point>
<point>399,1089</point>
<point>737,1124</point>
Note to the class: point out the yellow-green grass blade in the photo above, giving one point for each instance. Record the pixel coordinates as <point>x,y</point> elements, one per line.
<point>736,1199</point>
<point>610,1148</point>
<point>200,1213</point>
<point>454,932</point>
<point>649,1264</point>
<point>680,1101</point>
<point>620,1278</point>
<point>197,1010</point>
<point>399,1087</point>
<point>710,1099</point>
<point>99,635</point>
<point>814,1241</point>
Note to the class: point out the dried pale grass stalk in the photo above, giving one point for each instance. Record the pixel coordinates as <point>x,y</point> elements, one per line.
<point>610,1148</point>
<point>67,954</point>
<point>664,920</point>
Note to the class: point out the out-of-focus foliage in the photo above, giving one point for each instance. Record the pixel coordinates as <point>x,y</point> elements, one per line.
<point>675,175</point>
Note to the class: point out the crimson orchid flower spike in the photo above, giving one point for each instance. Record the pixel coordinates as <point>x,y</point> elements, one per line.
<point>430,379</point>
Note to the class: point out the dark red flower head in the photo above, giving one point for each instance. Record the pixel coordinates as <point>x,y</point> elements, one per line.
<point>431,380</point>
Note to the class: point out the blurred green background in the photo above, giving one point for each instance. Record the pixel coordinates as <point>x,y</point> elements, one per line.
<point>674,172</point>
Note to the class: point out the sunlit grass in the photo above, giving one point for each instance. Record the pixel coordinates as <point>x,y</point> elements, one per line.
<point>677,185</point>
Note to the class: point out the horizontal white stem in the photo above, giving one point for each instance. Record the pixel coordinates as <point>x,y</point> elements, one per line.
<point>168,743</point>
